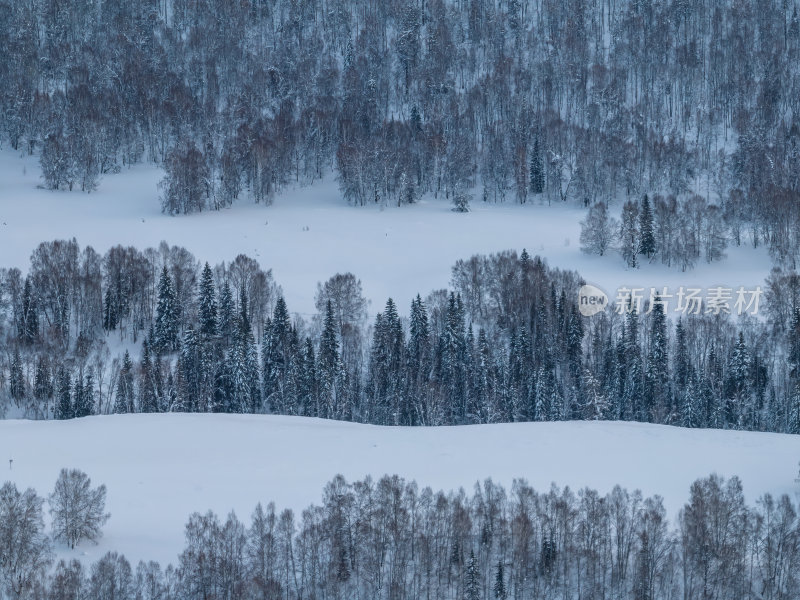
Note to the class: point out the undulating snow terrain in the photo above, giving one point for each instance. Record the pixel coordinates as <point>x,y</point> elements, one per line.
<point>160,468</point>
<point>309,234</point>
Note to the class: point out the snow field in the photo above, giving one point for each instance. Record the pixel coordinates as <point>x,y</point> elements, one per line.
<point>161,468</point>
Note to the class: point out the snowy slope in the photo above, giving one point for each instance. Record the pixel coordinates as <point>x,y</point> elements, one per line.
<point>160,468</point>
<point>309,234</point>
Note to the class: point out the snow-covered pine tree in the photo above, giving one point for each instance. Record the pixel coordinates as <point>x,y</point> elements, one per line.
<point>647,240</point>
<point>190,375</point>
<point>148,400</point>
<point>472,579</point>
<point>657,375</point>
<point>207,304</point>
<point>739,384</point>
<point>16,377</point>
<point>227,315</point>
<point>84,395</point>
<point>419,361</point>
<point>330,368</point>
<point>43,384</point>
<point>64,408</point>
<point>29,322</point>
<point>276,357</point>
<point>167,315</point>
<point>629,234</point>
<point>307,380</point>
<point>124,400</point>
<point>499,589</point>
<point>536,170</point>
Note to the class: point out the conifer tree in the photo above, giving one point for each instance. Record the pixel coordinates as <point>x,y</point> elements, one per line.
<point>226,322</point>
<point>419,363</point>
<point>657,376</point>
<point>500,583</point>
<point>647,240</point>
<point>307,381</point>
<point>43,383</point>
<point>123,402</point>
<point>536,169</point>
<point>207,302</point>
<point>16,377</point>
<point>330,369</point>
<point>190,374</point>
<point>148,399</point>
<point>629,235</point>
<point>84,395</point>
<point>472,585</point>
<point>30,315</point>
<point>167,315</point>
<point>64,408</point>
<point>276,357</point>
<point>109,310</point>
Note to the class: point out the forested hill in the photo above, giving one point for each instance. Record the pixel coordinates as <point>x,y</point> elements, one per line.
<point>581,100</point>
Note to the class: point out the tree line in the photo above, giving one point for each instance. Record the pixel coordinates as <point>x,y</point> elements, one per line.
<point>520,99</point>
<point>390,539</point>
<point>505,343</point>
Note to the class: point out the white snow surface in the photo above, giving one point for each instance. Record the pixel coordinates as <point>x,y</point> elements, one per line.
<point>309,234</point>
<point>160,468</point>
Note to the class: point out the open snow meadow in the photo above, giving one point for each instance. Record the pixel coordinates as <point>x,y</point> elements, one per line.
<point>309,233</point>
<point>161,468</point>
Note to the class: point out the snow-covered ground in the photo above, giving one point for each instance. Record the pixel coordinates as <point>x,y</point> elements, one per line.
<point>309,234</point>
<point>160,468</point>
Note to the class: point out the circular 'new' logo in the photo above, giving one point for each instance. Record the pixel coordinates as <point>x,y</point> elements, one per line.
<point>591,300</point>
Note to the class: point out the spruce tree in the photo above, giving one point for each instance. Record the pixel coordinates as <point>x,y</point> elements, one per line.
<point>43,383</point>
<point>64,408</point>
<point>148,400</point>
<point>500,583</point>
<point>207,302</point>
<point>472,585</point>
<point>77,394</point>
<point>330,368</point>
<point>226,322</point>
<point>167,315</point>
<point>307,381</point>
<point>276,356</point>
<point>29,323</point>
<point>16,377</point>
<point>536,169</point>
<point>124,401</point>
<point>629,235</point>
<point>190,375</point>
<point>109,310</point>
<point>657,376</point>
<point>84,395</point>
<point>419,363</point>
<point>647,240</point>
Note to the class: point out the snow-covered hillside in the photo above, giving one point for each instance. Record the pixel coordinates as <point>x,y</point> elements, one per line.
<point>309,234</point>
<point>160,468</point>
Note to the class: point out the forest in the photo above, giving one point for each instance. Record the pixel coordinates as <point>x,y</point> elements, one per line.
<point>390,539</point>
<point>506,343</point>
<point>509,100</point>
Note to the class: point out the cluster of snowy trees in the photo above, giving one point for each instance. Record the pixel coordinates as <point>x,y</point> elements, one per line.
<point>680,231</point>
<point>390,539</point>
<point>675,232</point>
<point>506,343</point>
<point>25,549</point>
<point>521,97</point>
